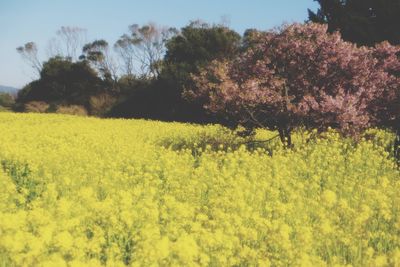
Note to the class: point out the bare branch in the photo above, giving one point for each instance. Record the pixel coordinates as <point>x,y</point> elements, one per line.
<point>72,38</point>
<point>144,46</point>
<point>29,53</point>
<point>53,48</point>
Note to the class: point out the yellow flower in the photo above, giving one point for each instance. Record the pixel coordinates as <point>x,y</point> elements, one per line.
<point>163,248</point>
<point>94,192</point>
<point>329,198</point>
<point>381,261</point>
<point>186,248</point>
<point>64,240</point>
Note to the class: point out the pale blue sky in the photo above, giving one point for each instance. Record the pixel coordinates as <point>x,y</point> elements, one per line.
<point>22,21</point>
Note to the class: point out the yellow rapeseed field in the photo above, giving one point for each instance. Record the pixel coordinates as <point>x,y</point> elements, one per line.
<point>90,192</point>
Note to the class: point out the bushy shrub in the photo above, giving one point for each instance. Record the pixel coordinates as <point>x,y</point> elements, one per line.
<point>36,106</point>
<point>63,81</point>
<point>101,104</point>
<point>72,110</point>
<point>6,100</point>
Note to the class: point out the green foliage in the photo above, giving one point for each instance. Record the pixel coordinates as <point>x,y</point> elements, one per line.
<point>198,44</point>
<point>364,22</point>
<point>6,100</point>
<point>22,178</point>
<point>63,82</point>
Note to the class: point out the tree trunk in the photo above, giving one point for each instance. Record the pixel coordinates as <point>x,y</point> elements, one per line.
<point>397,146</point>
<point>289,139</point>
<point>286,138</point>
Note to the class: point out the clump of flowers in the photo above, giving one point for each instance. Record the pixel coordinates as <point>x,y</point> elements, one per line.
<point>94,192</point>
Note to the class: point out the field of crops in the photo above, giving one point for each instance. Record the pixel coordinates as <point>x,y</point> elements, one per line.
<point>90,192</point>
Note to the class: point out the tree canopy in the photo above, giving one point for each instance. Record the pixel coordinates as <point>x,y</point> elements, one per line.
<point>63,81</point>
<point>364,22</point>
<point>303,76</point>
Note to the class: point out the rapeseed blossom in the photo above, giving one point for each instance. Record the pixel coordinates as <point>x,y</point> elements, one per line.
<point>91,192</point>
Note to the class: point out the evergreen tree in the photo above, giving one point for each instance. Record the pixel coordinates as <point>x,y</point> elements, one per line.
<point>365,22</point>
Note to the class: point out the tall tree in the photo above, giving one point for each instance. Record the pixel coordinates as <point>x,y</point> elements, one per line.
<point>298,76</point>
<point>194,47</point>
<point>126,51</point>
<point>198,44</point>
<point>71,40</point>
<point>145,45</point>
<point>67,44</point>
<point>387,105</point>
<point>98,54</point>
<point>364,22</point>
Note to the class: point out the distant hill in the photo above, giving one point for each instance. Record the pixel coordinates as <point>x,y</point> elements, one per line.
<point>8,89</point>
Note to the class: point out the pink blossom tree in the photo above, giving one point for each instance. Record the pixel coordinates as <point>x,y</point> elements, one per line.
<point>386,108</point>
<point>298,75</point>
